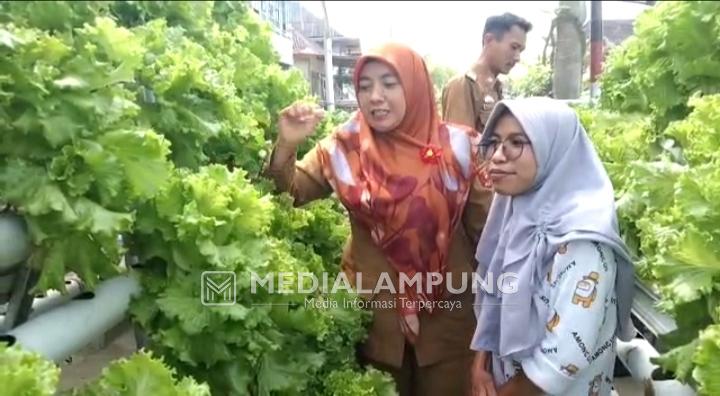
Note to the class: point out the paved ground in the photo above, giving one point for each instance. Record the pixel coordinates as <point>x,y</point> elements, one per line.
<point>88,363</point>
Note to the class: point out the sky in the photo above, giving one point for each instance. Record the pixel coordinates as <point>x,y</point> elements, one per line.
<point>449,32</point>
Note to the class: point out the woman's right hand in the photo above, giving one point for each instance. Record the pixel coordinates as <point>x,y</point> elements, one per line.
<point>297,122</point>
<point>482,380</point>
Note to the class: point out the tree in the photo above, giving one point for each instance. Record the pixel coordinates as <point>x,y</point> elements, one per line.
<point>536,82</point>
<point>569,50</point>
<point>440,75</point>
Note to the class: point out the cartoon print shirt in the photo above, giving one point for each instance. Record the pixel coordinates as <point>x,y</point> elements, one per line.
<point>577,355</point>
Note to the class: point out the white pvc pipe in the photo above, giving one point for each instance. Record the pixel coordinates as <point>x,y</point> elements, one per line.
<point>52,299</point>
<point>635,355</point>
<point>66,329</point>
<point>16,245</point>
<point>55,298</point>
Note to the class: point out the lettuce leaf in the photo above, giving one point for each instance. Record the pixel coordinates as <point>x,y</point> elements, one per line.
<point>141,374</point>
<point>26,373</point>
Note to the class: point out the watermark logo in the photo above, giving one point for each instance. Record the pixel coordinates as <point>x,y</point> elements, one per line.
<point>290,283</point>
<point>218,288</point>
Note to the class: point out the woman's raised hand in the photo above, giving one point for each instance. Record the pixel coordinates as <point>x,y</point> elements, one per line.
<point>298,121</point>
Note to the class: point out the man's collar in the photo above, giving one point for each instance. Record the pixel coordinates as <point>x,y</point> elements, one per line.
<point>473,75</point>
<point>474,71</point>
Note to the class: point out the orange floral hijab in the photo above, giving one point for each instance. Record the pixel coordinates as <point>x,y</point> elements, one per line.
<point>408,186</point>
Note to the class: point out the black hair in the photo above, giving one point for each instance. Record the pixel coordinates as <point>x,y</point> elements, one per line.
<point>501,112</point>
<point>498,25</point>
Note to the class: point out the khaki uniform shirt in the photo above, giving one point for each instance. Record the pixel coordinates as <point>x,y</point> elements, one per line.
<point>466,102</point>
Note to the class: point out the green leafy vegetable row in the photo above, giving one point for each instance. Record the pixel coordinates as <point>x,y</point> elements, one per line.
<point>658,133</point>
<point>150,122</point>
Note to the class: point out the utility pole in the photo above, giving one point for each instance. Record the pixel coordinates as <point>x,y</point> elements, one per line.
<point>329,81</point>
<point>569,50</point>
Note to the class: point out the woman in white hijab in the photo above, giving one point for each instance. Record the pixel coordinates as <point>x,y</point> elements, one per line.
<point>552,227</point>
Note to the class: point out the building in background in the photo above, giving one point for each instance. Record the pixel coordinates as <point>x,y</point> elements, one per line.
<point>298,38</point>
<point>276,14</point>
<point>617,30</point>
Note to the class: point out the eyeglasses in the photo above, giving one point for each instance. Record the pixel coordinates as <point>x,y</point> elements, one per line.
<point>512,147</point>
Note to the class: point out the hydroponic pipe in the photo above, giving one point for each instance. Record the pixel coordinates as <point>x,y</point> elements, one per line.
<point>635,355</point>
<point>53,299</point>
<point>66,329</point>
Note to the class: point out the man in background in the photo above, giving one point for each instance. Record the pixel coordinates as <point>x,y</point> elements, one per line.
<point>468,99</point>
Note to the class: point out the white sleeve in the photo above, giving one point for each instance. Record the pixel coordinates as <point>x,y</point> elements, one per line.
<point>581,282</point>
